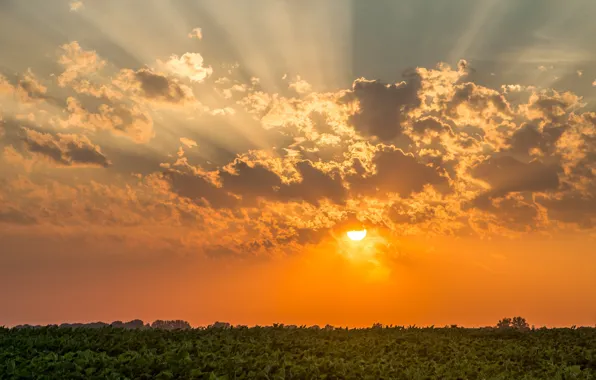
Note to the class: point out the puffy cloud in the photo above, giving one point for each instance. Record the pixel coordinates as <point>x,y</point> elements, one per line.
<point>65,149</point>
<point>159,87</point>
<point>77,63</point>
<point>435,154</point>
<point>189,66</point>
<point>382,109</point>
<point>300,86</point>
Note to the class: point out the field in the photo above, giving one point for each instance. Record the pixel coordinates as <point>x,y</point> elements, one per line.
<point>297,353</point>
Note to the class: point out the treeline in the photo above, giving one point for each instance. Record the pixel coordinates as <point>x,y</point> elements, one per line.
<point>515,323</point>
<point>134,324</point>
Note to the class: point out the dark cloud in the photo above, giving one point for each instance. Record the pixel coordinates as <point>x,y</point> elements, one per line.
<point>555,106</point>
<point>396,172</point>
<point>571,208</point>
<point>243,185</point>
<point>14,216</point>
<point>477,98</point>
<point>250,182</point>
<point>200,189</point>
<point>431,124</point>
<point>518,213</point>
<point>65,149</point>
<point>529,137</point>
<point>506,174</point>
<point>160,87</point>
<point>384,107</point>
<point>258,181</point>
<point>315,185</point>
<point>32,88</point>
<point>403,214</point>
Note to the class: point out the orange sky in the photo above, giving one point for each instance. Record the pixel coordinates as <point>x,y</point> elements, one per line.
<point>204,161</point>
<point>468,283</point>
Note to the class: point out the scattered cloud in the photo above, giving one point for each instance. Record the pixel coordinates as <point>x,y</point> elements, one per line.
<point>196,33</point>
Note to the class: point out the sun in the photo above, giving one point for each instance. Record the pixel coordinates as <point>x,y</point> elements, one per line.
<point>356,235</point>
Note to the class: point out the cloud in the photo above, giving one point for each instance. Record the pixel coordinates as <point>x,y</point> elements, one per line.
<point>25,90</point>
<point>120,118</point>
<point>188,142</point>
<point>188,66</point>
<point>196,33</point>
<point>382,108</point>
<point>76,6</point>
<point>159,87</point>
<point>13,216</point>
<point>65,149</point>
<point>300,86</point>
<point>32,87</point>
<point>77,63</point>
<point>245,183</point>
<point>506,174</point>
<point>437,153</point>
<point>431,124</point>
<point>529,138</point>
<point>394,172</point>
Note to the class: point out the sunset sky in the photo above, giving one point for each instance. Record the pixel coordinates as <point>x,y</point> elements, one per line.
<point>204,160</point>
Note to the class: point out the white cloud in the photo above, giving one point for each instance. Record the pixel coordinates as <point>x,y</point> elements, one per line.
<point>301,86</point>
<point>189,65</point>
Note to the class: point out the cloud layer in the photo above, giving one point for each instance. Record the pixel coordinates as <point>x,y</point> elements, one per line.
<point>212,160</point>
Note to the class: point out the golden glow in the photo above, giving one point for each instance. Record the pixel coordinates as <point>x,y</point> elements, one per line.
<point>356,235</point>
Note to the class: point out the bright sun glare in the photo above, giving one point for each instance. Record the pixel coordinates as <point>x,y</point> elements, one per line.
<point>357,235</point>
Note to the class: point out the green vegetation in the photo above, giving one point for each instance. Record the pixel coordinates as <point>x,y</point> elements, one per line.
<point>511,351</point>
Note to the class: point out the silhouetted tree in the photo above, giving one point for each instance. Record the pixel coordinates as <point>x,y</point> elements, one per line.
<point>171,325</point>
<point>504,323</point>
<point>220,325</point>
<point>520,323</point>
